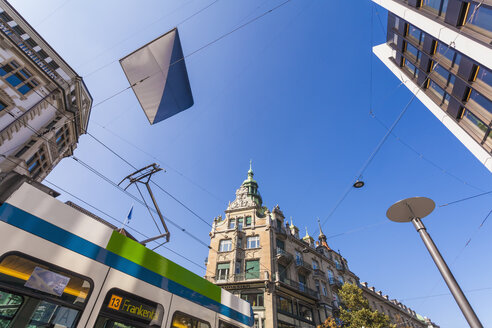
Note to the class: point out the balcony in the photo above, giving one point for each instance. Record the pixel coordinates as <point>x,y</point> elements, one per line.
<point>281,232</point>
<point>335,283</point>
<point>283,257</point>
<point>238,277</point>
<point>301,287</point>
<point>302,267</point>
<point>318,273</point>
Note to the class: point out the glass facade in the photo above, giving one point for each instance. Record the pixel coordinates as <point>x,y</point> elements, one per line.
<point>437,7</point>
<point>456,83</point>
<point>415,34</point>
<point>479,19</point>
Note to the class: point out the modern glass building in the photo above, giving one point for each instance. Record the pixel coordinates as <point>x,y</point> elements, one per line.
<point>442,51</point>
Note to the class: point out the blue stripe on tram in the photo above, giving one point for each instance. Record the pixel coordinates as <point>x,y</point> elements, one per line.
<point>36,226</point>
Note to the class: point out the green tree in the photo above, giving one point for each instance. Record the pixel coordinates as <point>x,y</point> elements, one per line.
<point>355,312</point>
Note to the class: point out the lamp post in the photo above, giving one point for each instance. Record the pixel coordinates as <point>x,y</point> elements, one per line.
<point>413,209</point>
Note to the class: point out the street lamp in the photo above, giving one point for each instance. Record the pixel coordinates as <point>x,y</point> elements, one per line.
<point>413,209</point>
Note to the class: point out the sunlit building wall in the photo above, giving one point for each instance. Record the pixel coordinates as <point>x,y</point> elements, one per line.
<point>442,51</point>
<point>290,280</point>
<point>44,104</point>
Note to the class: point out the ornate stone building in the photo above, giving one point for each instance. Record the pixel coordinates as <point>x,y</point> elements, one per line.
<point>44,103</point>
<point>399,313</point>
<point>291,281</point>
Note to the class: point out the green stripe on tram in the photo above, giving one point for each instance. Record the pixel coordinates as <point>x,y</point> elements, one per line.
<point>141,255</point>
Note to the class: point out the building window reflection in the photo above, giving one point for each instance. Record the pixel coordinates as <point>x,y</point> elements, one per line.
<point>484,75</point>
<point>479,20</point>
<point>481,100</point>
<point>436,7</point>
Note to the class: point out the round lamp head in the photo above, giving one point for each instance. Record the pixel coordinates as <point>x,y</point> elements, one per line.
<point>407,209</point>
<point>358,184</point>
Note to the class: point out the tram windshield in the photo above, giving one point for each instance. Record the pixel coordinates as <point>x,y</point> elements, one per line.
<point>35,294</point>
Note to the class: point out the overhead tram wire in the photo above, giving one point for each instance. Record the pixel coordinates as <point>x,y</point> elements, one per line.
<point>466,198</point>
<point>392,127</point>
<point>135,32</point>
<point>471,237</point>
<point>121,222</point>
<point>445,294</point>
<point>195,51</point>
<point>421,156</point>
<point>112,151</point>
<point>373,115</point>
<point>135,198</point>
<point>127,38</point>
<point>177,61</point>
<point>160,161</point>
<point>108,180</point>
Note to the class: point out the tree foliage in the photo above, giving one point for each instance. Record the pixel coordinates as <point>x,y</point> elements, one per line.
<point>356,313</point>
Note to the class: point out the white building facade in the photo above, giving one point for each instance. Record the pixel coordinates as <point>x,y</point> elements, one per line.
<point>44,104</point>
<point>442,51</point>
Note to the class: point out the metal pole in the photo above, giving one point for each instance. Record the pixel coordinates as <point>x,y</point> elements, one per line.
<point>158,210</point>
<point>453,286</point>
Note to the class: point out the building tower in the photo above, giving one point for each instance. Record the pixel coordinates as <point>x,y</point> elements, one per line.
<point>442,51</point>
<point>290,281</point>
<point>257,254</point>
<point>44,104</point>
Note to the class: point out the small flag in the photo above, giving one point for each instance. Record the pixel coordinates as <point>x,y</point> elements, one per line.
<point>129,216</point>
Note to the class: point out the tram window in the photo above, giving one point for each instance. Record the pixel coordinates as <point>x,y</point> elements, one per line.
<point>37,294</point>
<point>181,320</point>
<point>223,324</point>
<point>48,314</point>
<point>124,310</point>
<point>9,304</point>
<point>39,278</point>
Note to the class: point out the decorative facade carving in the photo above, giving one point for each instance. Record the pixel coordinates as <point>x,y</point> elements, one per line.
<point>243,200</point>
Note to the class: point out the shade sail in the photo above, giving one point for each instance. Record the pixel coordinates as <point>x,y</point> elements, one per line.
<point>158,76</point>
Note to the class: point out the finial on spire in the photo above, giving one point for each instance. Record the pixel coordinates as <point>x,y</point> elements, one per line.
<point>291,224</point>
<point>250,171</point>
<point>320,231</point>
<point>307,234</point>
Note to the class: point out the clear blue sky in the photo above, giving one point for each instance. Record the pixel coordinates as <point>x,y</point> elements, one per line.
<point>290,91</point>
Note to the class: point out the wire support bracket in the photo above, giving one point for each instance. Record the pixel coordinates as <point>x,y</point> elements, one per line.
<point>143,176</point>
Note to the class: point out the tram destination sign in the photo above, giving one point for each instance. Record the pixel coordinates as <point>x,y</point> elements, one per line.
<point>133,308</point>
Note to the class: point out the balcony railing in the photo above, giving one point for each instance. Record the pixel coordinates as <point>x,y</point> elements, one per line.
<point>335,283</point>
<point>283,256</point>
<point>245,276</point>
<point>300,264</point>
<point>300,287</point>
<point>319,273</point>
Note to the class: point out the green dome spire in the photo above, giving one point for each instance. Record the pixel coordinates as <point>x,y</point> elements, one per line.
<point>252,186</point>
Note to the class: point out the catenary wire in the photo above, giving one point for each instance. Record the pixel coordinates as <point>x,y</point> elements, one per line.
<point>53,12</point>
<point>108,180</point>
<point>392,127</point>
<point>168,167</point>
<point>109,149</point>
<point>210,43</point>
<point>466,198</point>
<point>195,51</point>
<point>102,176</point>
<point>444,294</point>
<point>121,222</point>
<point>135,32</point>
<point>421,156</point>
<point>115,60</point>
